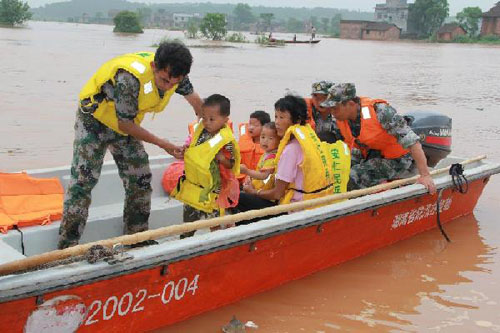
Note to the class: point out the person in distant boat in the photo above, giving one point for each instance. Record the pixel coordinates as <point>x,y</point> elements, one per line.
<point>112,105</point>
<point>320,118</point>
<point>305,167</point>
<point>271,38</point>
<point>383,146</point>
<point>295,37</point>
<point>313,33</point>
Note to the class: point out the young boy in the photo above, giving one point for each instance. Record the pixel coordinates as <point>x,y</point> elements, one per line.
<point>212,161</point>
<point>262,178</point>
<point>249,141</point>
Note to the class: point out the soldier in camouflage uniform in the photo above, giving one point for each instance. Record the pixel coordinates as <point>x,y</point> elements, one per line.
<point>326,127</point>
<point>93,138</point>
<point>372,168</point>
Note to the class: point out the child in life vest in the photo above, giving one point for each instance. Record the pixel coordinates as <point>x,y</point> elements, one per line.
<point>216,110</point>
<point>249,140</point>
<point>262,178</point>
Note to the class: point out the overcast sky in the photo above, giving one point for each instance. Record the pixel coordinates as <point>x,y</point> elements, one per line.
<point>363,5</point>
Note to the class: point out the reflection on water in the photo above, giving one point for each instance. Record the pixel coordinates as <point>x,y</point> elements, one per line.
<point>421,284</point>
<point>417,285</point>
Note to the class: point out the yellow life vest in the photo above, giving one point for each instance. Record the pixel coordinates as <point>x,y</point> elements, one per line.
<point>325,166</point>
<point>198,178</point>
<point>137,64</point>
<point>265,163</point>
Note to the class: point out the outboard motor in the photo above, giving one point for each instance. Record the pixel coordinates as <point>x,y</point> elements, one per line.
<point>434,130</point>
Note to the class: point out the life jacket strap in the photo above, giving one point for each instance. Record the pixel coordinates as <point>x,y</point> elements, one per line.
<point>312,192</point>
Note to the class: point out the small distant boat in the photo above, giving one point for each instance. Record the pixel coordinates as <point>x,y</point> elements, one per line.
<point>316,41</point>
<point>281,41</point>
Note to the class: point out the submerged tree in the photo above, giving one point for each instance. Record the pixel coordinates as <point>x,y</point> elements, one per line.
<point>267,19</point>
<point>14,12</point>
<point>127,21</point>
<point>213,26</point>
<point>469,19</point>
<point>192,29</point>
<point>243,15</point>
<point>427,16</point>
<point>335,24</point>
<point>294,25</point>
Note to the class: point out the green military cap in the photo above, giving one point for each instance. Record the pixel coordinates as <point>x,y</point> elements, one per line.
<point>321,87</point>
<point>339,93</point>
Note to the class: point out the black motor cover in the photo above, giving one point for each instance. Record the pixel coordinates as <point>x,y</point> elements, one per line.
<point>434,130</point>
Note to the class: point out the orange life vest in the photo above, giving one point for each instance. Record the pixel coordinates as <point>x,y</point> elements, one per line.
<point>249,150</point>
<point>372,135</point>
<point>310,120</point>
<point>26,201</point>
<point>192,126</point>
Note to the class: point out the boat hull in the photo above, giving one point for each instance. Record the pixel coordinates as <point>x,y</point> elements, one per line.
<point>316,41</point>
<point>163,295</point>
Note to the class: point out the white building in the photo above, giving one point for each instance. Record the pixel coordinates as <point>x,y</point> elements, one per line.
<point>181,20</point>
<point>393,11</point>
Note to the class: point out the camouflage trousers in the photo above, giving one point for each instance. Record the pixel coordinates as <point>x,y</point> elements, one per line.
<point>190,214</point>
<point>366,173</point>
<point>92,140</point>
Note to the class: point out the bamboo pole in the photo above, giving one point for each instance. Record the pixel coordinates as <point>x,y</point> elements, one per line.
<point>37,260</point>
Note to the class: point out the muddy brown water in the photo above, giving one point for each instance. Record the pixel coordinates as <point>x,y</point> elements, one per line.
<point>418,285</point>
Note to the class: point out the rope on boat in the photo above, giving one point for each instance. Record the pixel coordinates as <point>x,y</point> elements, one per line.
<point>440,226</point>
<point>460,183</point>
<point>44,258</point>
<point>458,178</point>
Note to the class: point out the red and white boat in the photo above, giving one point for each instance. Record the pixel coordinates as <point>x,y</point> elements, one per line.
<point>158,285</point>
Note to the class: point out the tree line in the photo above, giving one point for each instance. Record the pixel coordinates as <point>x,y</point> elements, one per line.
<point>425,17</point>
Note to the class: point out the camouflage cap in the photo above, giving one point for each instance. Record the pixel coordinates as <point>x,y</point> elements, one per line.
<point>339,93</point>
<point>321,87</point>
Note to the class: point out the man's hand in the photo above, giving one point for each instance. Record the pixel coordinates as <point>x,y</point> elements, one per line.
<point>178,153</point>
<point>170,148</point>
<point>427,181</point>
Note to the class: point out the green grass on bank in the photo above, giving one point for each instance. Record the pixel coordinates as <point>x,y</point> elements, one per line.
<point>488,39</point>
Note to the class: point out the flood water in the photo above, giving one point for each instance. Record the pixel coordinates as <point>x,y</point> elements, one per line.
<point>418,285</point>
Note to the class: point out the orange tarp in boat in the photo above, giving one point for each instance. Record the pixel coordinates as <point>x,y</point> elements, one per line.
<point>26,201</point>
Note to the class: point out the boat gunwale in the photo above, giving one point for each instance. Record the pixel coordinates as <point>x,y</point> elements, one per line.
<point>14,287</point>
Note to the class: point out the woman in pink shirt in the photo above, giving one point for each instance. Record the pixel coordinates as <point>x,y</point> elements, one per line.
<point>289,110</point>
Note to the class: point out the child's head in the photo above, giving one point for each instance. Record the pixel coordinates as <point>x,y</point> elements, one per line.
<point>257,120</point>
<point>269,139</point>
<point>215,110</point>
<point>289,110</point>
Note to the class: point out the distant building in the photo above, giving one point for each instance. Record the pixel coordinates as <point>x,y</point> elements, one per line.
<point>449,31</point>
<point>181,20</point>
<point>352,29</point>
<point>163,19</point>
<point>381,31</point>
<point>368,30</point>
<point>85,18</point>
<point>393,11</point>
<point>491,21</point>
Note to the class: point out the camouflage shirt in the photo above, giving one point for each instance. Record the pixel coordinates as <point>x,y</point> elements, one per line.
<point>125,93</point>
<point>324,125</point>
<point>392,122</point>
